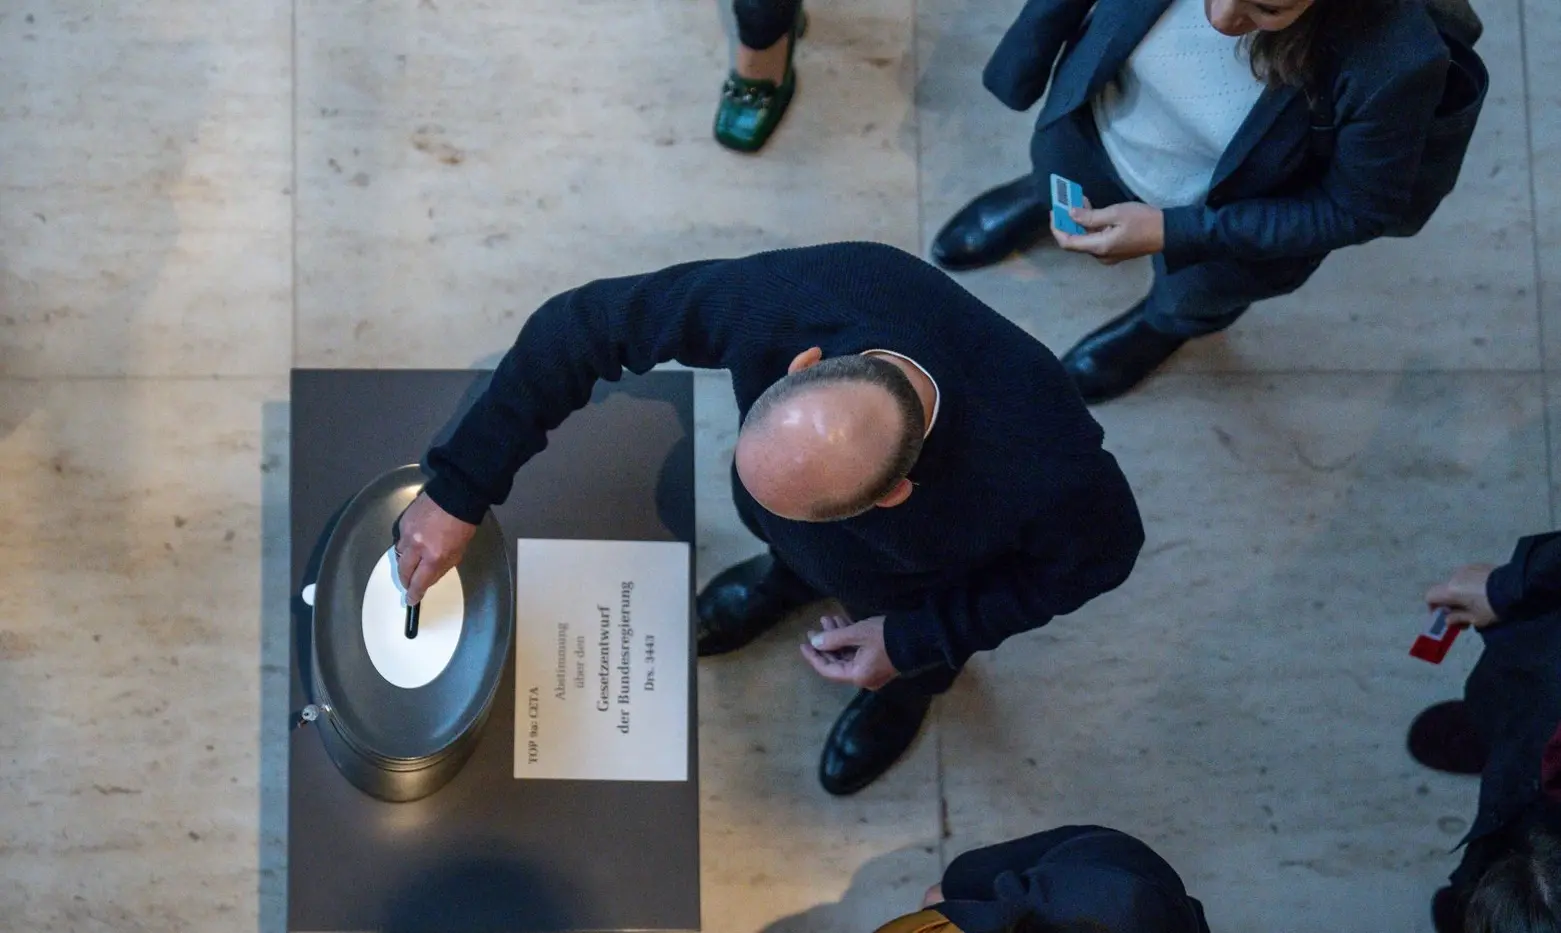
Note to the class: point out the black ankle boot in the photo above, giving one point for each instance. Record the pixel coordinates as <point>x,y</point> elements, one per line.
<point>994,225</point>
<point>1447,911</point>
<point>869,737</point>
<point>746,600</point>
<point>1118,356</point>
<point>1444,738</point>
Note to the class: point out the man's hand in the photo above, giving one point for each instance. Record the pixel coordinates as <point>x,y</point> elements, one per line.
<point>1463,596</point>
<point>432,541</point>
<point>850,653</point>
<point>934,895</point>
<point>1115,233</point>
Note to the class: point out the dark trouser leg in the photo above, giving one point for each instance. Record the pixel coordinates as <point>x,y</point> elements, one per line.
<point>1207,297</point>
<point>1190,302</point>
<point>762,23</point>
<point>1070,147</point>
<point>1015,215</point>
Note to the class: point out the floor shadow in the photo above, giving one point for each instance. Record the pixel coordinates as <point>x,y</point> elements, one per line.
<point>882,889</point>
<point>477,894</point>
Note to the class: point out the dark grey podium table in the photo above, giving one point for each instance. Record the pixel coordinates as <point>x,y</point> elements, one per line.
<point>489,853</point>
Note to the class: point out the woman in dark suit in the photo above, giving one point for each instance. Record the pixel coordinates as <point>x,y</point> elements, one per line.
<point>1186,123</point>
<point>1076,879</point>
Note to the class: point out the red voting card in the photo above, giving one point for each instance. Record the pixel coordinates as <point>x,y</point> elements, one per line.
<point>1433,644</point>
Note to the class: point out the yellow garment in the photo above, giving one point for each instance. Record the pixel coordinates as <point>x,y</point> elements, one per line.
<point>923,921</point>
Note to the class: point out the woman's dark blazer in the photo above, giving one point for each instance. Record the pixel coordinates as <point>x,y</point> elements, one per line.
<point>1270,199</point>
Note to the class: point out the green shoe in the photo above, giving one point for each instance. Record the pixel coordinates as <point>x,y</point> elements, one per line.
<point>750,110</point>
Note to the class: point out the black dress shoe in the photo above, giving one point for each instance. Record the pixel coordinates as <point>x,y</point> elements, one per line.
<point>1446,911</point>
<point>869,737</point>
<point>994,225</point>
<point>1443,738</point>
<point>1118,356</point>
<point>746,600</point>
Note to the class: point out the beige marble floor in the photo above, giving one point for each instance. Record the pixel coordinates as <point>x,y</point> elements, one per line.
<point>198,196</point>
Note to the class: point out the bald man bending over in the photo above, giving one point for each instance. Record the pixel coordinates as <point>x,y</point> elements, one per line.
<point>904,449</point>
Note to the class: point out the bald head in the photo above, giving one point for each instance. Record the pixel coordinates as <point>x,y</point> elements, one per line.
<point>831,440</point>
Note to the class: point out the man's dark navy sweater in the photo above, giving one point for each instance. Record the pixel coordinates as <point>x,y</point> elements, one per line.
<point>1018,514</point>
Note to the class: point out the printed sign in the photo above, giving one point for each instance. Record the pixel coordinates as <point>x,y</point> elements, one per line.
<point>602,660</point>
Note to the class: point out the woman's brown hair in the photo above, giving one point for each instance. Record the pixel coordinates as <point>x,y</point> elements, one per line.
<point>1293,56</point>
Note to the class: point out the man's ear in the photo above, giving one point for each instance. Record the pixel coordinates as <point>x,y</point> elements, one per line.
<point>901,491</point>
<point>803,360</point>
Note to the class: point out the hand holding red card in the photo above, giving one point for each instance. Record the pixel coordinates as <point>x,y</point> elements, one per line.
<point>1433,644</point>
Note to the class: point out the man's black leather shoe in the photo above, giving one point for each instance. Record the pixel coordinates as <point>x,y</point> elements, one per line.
<point>746,600</point>
<point>1444,738</point>
<point>1446,912</point>
<point>994,225</point>
<point>1118,356</point>
<point>869,737</point>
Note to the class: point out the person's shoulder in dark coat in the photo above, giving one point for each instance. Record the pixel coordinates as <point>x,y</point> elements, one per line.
<point>1398,53</point>
<point>1072,873</point>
